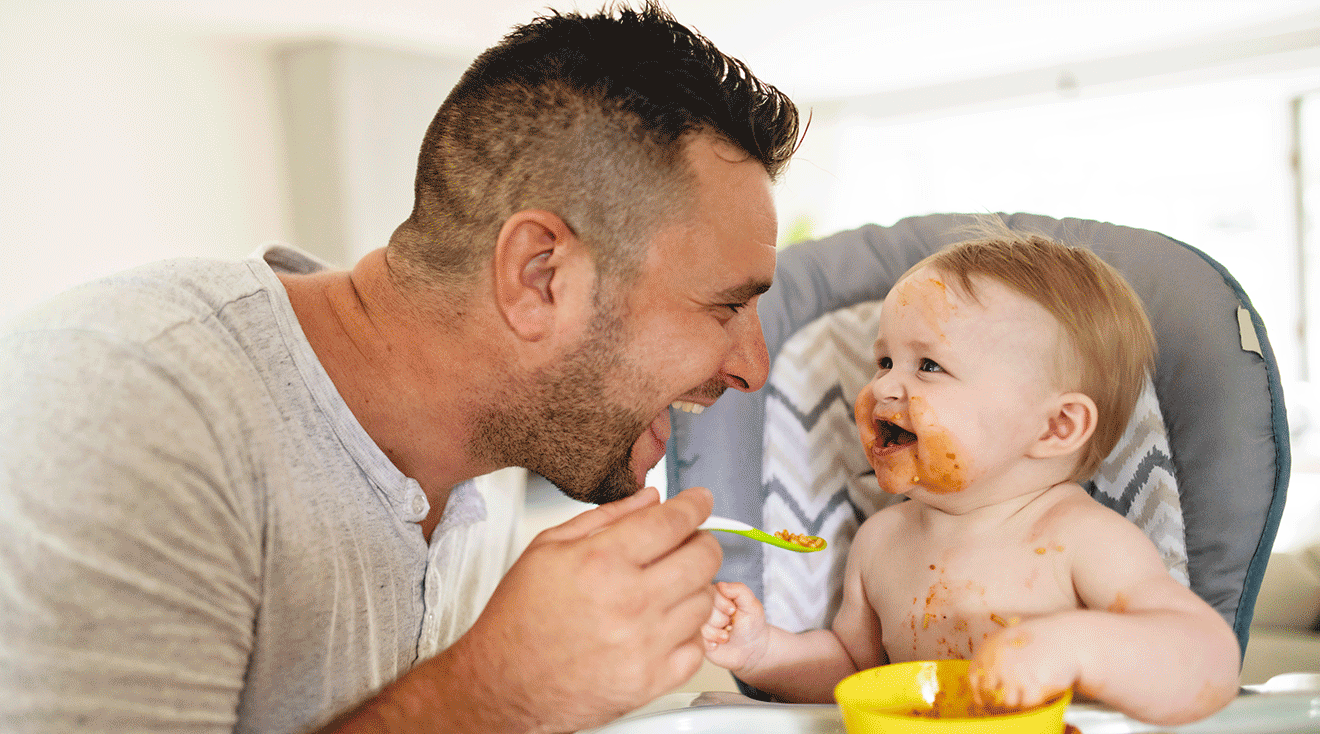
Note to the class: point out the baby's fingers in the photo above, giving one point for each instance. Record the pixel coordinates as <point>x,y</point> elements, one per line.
<point>725,606</point>
<point>713,635</point>
<point>987,689</point>
<point>740,596</point>
<point>1000,692</point>
<point>717,620</point>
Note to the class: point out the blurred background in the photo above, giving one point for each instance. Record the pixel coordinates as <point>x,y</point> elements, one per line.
<point>133,130</point>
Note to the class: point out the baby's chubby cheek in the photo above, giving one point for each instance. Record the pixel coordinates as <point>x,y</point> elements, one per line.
<point>933,462</point>
<point>895,472</point>
<point>941,467</point>
<point>863,409</point>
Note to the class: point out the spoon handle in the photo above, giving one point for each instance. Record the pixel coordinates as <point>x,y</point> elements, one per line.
<point>715,522</point>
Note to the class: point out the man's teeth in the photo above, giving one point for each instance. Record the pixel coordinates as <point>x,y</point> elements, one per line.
<point>687,407</point>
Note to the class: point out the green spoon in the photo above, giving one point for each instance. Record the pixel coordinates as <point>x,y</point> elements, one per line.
<point>741,528</point>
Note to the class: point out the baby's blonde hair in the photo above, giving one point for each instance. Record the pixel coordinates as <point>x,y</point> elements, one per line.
<point>1101,318</point>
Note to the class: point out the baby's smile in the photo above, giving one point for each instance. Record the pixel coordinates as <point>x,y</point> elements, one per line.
<point>891,435</point>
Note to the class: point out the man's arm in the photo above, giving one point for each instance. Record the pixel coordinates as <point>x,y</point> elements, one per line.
<point>129,573</point>
<point>599,616</point>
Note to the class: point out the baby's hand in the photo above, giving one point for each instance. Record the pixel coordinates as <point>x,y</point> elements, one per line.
<point>736,631</point>
<point>1014,669</point>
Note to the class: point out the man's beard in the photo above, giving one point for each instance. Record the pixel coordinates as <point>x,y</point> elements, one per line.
<point>564,425</point>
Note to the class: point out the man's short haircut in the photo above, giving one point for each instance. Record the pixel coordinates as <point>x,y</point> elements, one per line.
<point>585,116</point>
<point>1101,318</point>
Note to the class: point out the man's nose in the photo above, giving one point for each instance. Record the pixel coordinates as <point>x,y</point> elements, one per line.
<point>748,365</point>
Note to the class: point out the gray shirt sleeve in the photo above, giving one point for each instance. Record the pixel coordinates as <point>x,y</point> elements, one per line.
<point>129,576</point>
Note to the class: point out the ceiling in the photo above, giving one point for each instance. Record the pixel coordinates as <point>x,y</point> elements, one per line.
<point>811,49</point>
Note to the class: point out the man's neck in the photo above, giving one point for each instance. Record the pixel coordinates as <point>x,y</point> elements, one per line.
<point>402,378</point>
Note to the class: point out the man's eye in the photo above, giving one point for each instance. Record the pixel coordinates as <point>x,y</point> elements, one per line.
<point>928,365</point>
<point>735,307</point>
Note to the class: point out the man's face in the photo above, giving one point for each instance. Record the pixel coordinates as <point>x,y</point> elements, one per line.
<point>686,331</point>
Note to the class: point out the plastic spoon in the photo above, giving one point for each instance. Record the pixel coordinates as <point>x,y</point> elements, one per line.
<point>727,525</point>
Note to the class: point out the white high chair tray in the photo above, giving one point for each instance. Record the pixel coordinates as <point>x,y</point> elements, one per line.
<point>1249,713</point>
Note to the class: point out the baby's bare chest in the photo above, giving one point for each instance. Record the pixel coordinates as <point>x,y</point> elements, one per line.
<point>945,601</point>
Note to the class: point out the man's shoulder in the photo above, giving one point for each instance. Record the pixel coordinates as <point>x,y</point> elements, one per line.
<point>142,301</point>
<point>195,324</point>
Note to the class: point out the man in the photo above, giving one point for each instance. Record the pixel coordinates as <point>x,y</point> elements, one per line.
<point>239,497</point>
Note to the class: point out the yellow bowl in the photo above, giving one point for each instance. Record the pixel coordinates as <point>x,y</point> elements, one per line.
<point>933,697</point>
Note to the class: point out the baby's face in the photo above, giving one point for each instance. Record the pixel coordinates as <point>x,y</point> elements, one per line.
<point>962,386</point>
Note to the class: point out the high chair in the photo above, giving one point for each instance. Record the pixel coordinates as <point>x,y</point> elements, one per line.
<point>1202,467</point>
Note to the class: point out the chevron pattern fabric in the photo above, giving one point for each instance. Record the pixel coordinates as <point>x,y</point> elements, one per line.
<point>1137,481</point>
<point>817,481</point>
<point>814,474</point>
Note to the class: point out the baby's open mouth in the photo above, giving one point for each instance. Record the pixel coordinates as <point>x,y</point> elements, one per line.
<point>889,434</point>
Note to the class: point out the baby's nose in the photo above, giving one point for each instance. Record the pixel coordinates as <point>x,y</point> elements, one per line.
<point>888,387</point>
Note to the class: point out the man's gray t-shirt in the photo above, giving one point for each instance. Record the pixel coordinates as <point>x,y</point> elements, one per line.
<point>195,532</point>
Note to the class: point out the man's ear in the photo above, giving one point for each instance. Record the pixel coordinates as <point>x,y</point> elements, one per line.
<point>1070,424</point>
<point>534,256</point>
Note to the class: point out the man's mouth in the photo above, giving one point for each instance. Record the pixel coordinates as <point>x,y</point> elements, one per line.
<point>890,435</point>
<point>650,446</point>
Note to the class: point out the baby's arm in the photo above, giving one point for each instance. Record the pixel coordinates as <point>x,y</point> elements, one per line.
<point>1145,644</point>
<point>736,635</point>
<point>799,668</point>
<point>802,667</point>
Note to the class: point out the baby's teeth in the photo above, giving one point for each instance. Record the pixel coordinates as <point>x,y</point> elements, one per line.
<point>687,407</point>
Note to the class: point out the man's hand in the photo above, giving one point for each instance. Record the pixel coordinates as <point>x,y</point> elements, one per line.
<point>598,616</point>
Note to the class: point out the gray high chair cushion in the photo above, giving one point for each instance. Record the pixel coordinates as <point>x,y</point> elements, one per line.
<point>1216,382</point>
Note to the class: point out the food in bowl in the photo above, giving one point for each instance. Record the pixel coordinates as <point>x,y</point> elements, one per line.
<point>934,697</point>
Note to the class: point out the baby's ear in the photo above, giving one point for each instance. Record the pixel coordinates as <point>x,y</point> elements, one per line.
<point>1070,425</point>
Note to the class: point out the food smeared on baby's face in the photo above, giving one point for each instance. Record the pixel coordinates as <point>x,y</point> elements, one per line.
<point>939,468</point>
<point>920,454</point>
<point>930,296</point>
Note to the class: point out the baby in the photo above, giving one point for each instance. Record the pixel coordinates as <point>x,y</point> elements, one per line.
<point>1007,370</point>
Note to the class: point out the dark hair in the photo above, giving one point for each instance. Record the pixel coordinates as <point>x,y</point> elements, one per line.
<point>587,117</point>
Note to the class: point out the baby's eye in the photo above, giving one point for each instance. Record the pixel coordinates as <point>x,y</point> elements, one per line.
<point>929,365</point>
<point>885,363</point>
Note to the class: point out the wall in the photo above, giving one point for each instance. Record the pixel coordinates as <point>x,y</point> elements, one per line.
<point>355,117</point>
<point>125,142</point>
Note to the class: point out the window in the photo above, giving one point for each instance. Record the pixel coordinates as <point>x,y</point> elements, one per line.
<point>1208,165</point>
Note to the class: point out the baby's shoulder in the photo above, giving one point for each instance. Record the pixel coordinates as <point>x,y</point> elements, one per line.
<point>1076,514</point>
<point>1069,502</point>
<point>887,522</point>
